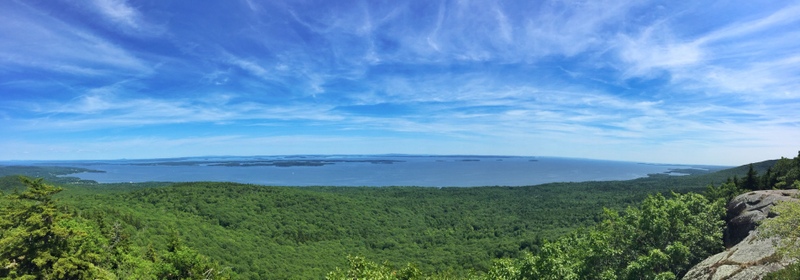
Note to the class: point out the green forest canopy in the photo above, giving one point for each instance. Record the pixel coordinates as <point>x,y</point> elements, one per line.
<point>261,232</point>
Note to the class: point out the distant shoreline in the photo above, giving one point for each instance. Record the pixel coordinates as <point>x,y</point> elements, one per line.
<point>368,170</point>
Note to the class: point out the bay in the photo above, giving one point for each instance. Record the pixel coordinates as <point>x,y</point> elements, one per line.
<point>379,171</point>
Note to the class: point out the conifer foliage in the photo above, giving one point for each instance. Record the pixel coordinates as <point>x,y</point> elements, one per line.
<point>39,239</point>
<point>41,242</point>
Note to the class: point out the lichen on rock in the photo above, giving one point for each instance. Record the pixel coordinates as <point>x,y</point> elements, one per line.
<point>748,255</point>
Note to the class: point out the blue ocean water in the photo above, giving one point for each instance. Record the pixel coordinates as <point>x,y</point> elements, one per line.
<point>390,170</point>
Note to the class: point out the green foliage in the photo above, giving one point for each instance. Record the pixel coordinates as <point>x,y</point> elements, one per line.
<point>11,183</point>
<point>740,171</point>
<point>283,232</point>
<point>360,268</point>
<point>181,262</point>
<point>40,242</point>
<point>780,174</point>
<point>684,229</point>
<point>785,226</point>
<point>787,173</point>
<point>661,239</point>
<point>751,181</point>
<point>39,239</point>
<point>54,174</point>
<point>724,192</point>
<point>791,272</point>
<point>259,232</point>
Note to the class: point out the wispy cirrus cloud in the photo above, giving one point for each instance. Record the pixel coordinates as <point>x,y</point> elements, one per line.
<point>125,17</point>
<point>747,56</point>
<point>608,79</point>
<point>34,40</point>
<point>654,50</point>
<point>110,107</point>
<point>118,11</point>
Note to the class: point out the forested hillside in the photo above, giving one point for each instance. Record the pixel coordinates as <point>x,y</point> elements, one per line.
<point>661,238</point>
<point>285,232</point>
<point>264,232</point>
<point>41,239</point>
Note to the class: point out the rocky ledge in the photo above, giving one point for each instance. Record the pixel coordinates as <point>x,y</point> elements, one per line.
<point>747,256</point>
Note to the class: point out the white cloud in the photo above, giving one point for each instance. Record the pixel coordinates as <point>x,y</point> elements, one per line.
<point>35,40</point>
<point>116,106</point>
<point>571,28</point>
<point>755,57</point>
<point>253,68</point>
<point>118,11</point>
<point>113,148</point>
<point>464,30</point>
<point>779,18</point>
<point>473,73</point>
<point>126,18</point>
<point>646,54</point>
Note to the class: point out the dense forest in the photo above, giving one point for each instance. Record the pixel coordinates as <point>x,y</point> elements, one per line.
<point>649,228</point>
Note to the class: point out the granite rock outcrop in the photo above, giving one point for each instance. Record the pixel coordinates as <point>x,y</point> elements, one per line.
<point>748,256</point>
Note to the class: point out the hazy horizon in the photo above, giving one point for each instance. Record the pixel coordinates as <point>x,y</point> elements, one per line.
<point>368,170</point>
<point>333,156</point>
<point>711,82</point>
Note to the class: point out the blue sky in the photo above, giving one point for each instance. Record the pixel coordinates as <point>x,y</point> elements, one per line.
<point>709,82</point>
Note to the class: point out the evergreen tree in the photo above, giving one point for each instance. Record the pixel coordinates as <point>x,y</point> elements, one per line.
<point>767,180</point>
<point>751,181</point>
<point>786,173</point>
<point>736,182</point>
<point>40,242</point>
<point>181,262</point>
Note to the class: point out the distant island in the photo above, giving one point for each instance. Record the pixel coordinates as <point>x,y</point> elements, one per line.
<point>278,163</point>
<point>369,170</point>
<point>251,231</point>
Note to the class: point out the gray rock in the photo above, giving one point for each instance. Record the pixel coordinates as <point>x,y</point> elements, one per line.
<point>746,210</point>
<point>749,257</point>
